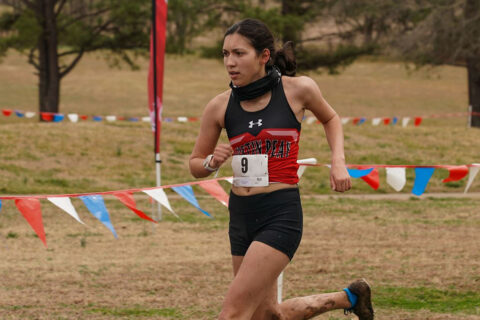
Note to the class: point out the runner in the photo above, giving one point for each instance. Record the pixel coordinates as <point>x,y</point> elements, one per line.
<point>262,115</point>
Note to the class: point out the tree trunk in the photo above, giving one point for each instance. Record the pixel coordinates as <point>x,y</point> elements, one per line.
<point>473,68</point>
<point>289,33</point>
<point>49,76</point>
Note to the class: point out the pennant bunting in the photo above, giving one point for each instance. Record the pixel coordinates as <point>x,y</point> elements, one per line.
<point>182,119</point>
<point>215,189</point>
<point>345,120</point>
<point>386,121</point>
<point>230,180</point>
<point>65,204</point>
<point>73,117</point>
<point>422,176</point>
<point>111,118</point>
<point>405,121</point>
<point>376,121</point>
<point>31,211</point>
<point>58,117</point>
<point>0,204</point>
<point>127,199</point>
<point>418,121</point>
<point>301,169</point>
<point>7,112</point>
<point>394,120</point>
<point>97,118</point>
<point>471,176</point>
<point>456,173</point>
<point>396,178</point>
<point>96,206</point>
<point>46,116</point>
<point>83,117</point>
<point>187,193</point>
<point>357,173</point>
<point>160,196</point>
<point>311,120</point>
<point>372,179</point>
<point>19,114</point>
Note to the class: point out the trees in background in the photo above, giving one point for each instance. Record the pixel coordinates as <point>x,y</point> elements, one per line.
<point>55,34</point>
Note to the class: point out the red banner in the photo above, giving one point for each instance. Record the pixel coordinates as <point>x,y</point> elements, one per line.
<point>157,57</point>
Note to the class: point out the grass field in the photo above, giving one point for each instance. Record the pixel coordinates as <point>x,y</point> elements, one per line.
<point>420,255</point>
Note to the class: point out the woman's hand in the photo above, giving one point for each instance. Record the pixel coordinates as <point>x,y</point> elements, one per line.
<point>222,152</point>
<point>339,178</point>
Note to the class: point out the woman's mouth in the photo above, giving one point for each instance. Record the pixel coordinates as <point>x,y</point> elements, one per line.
<point>234,75</point>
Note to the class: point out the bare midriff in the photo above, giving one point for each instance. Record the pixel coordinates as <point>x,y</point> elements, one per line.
<point>248,191</point>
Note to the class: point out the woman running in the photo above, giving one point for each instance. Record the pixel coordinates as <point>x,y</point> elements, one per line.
<point>261,114</point>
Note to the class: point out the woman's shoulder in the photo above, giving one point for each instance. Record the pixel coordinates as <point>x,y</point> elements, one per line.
<point>299,87</point>
<point>215,109</point>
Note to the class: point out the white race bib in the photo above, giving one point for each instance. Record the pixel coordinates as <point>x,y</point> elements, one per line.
<point>250,170</point>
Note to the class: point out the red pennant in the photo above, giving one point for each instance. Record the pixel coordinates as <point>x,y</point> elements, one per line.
<point>31,211</point>
<point>83,117</point>
<point>47,116</point>
<point>456,173</point>
<point>120,118</point>
<point>193,119</point>
<point>418,121</point>
<point>356,120</point>
<point>372,178</point>
<point>216,190</point>
<point>127,199</point>
<point>7,112</point>
<point>386,121</point>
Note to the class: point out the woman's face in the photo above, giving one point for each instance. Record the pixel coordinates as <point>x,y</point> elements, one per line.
<point>242,62</point>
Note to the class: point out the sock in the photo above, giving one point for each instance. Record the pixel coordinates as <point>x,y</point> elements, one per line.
<point>351,297</point>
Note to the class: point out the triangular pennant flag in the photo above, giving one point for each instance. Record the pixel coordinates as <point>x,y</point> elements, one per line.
<point>301,169</point>
<point>187,193</point>
<point>160,196</point>
<point>96,206</point>
<point>66,205</point>
<point>111,118</point>
<point>311,120</point>
<point>73,117</point>
<point>145,119</point>
<point>83,117</point>
<point>456,173</point>
<point>0,204</point>
<point>394,120</point>
<point>345,120</point>
<point>182,119</point>
<point>357,173</point>
<point>46,116</point>
<point>57,117</point>
<point>29,114</point>
<point>372,179</point>
<point>127,199</point>
<point>386,121</point>
<point>215,189</point>
<point>133,119</point>
<point>471,176</point>
<point>230,179</point>
<point>7,112</point>
<point>31,211</point>
<point>396,178</point>
<point>418,121</point>
<point>19,114</point>
<point>422,176</point>
<point>405,121</point>
<point>376,121</point>
<point>97,118</point>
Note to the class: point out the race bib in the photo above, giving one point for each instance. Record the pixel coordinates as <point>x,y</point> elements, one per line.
<point>250,170</point>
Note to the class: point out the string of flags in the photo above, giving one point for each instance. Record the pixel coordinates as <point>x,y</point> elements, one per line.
<point>29,205</point>
<point>375,121</point>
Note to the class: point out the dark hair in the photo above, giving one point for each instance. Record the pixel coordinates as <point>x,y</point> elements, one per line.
<point>261,38</point>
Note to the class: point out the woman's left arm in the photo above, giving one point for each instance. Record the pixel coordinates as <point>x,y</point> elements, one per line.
<point>316,103</point>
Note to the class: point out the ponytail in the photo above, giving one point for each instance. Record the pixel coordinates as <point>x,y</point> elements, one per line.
<point>284,59</point>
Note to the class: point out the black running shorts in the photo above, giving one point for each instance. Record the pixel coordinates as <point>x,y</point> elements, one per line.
<point>274,218</point>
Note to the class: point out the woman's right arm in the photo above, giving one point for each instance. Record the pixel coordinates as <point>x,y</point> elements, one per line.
<point>206,144</point>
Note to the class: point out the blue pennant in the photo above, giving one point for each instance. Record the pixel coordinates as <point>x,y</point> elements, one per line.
<point>357,173</point>
<point>422,176</point>
<point>97,118</point>
<point>19,114</point>
<point>96,206</point>
<point>58,117</point>
<point>394,121</point>
<point>0,204</point>
<point>362,120</point>
<point>187,193</point>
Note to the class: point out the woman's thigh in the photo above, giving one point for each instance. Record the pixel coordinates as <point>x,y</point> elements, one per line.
<point>255,279</point>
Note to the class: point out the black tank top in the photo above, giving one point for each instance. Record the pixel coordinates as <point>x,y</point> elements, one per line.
<point>273,130</point>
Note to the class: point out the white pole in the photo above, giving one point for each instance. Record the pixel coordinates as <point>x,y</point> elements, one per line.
<point>159,183</point>
<point>280,287</point>
<point>470,109</point>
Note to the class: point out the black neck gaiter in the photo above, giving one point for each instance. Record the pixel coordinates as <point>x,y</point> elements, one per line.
<point>258,87</point>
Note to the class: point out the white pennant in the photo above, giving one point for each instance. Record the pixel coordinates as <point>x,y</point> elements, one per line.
<point>230,180</point>
<point>345,120</point>
<point>311,120</point>
<point>301,169</point>
<point>471,176</point>
<point>160,196</point>
<point>29,114</point>
<point>65,204</point>
<point>376,121</point>
<point>396,178</point>
<point>405,121</point>
<point>145,119</point>
<point>73,117</point>
<point>111,118</point>
<point>182,119</point>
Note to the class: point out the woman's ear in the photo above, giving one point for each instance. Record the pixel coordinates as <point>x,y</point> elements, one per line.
<point>265,56</point>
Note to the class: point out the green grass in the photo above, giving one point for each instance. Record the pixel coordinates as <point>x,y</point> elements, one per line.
<point>138,311</point>
<point>435,300</point>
